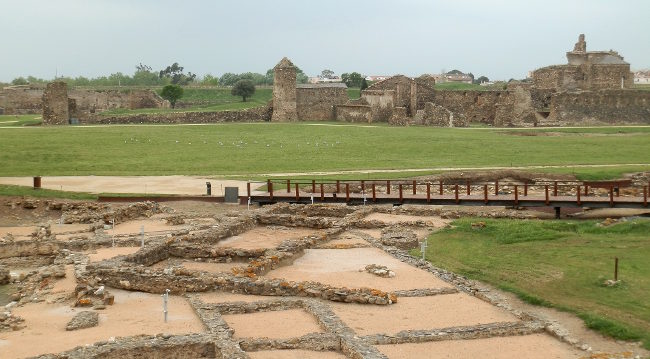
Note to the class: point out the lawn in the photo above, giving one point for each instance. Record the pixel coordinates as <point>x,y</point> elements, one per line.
<point>246,149</point>
<point>558,263</point>
<point>20,120</point>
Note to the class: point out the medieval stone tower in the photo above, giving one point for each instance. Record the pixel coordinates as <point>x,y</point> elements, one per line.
<point>55,104</point>
<point>284,92</point>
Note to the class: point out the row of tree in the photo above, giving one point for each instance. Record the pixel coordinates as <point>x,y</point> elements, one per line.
<point>143,76</point>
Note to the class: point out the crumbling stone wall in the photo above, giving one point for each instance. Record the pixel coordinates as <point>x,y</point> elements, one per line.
<point>258,114</point>
<point>284,92</point>
<point>594,70</point>
<point>28,99</point>
<point>381,104</point>
<point>55,104</point>
<point>101,100</point>
<point>600,107</point>
<point>316,102</point>
<point>353,113</point>
<point>436,115</point>
<point>21,100</point>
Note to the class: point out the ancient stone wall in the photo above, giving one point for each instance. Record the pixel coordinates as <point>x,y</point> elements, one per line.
<point>381,103</point>
<point>27,99</point>
<point>436,115</point>
<point>21,100</point>
<point>55,104</point>
<point>316,103</point>
<point>101,100</point>
<point>284,92</point>
<point>258,114</point>
<point>353,113</point>
<point>476,106</point>
<point>600,107</point>
<point>400,84</point>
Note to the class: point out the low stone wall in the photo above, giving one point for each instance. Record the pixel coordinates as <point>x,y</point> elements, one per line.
<point>601,107</point>
<point>353,113</point>
<point>258,114</point>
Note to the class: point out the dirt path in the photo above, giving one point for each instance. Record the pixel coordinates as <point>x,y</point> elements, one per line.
<point>185,185</point>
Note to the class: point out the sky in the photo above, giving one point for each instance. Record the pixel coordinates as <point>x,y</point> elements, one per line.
<point>500,39</point>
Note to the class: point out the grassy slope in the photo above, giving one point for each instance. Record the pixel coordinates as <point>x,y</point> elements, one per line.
<point>267,148</point>
<point>558,263</point>
<point>208,99</point>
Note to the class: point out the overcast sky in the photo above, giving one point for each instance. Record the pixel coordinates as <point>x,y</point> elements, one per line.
<point>501,39</point>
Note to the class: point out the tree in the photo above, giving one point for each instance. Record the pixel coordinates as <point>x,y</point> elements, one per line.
<point>172,93</point>
<point>209,80</point>
<point>481,80</point>
<point>243,88</point>
<point>176,75</point>
<point>364,84</point>
<point>352,79</point>
<point>144,76</point>
<point>327,74</point>
<point>19,81</point>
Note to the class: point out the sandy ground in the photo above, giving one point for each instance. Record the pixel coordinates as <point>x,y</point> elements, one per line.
<point>340,267</point>
<point>67,284</point>
<point>276,325</point>
<point>133,313</point>
<point>294,354</point>
<point>198,266</point>
<point>19,233</point>
<point>106,253</point>
<point>537,346</point>
<point>150,225</point>
<point>436,222</point>
<point>187,185</point>
<point>69,228</point>
<point>264,237</point>
<point>440,311</point>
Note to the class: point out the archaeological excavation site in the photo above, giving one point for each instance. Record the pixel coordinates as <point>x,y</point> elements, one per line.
<point>204,280</point>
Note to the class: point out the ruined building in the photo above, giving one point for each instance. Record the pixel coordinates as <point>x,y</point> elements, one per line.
<point>28,99</point>
<point>586,70</point>
<point>305,102</point>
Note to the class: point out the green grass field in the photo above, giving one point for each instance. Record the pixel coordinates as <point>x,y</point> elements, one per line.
<point>248,149</point>
<point>558,263</point>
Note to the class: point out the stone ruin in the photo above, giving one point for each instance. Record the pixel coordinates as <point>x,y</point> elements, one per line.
<point>56,104</point>
<point>306,102</point>
<point>29,99</point>
<point>140,271</point>
<point>586,70</point>
<point>593,88</point>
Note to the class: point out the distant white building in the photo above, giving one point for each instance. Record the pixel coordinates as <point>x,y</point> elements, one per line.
<point>324,80</point>
<point>377,78</point>
<point>642,77</point>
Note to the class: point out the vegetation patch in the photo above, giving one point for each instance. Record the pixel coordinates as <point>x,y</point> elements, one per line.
<point>248,149</point>
<point>558,263</point>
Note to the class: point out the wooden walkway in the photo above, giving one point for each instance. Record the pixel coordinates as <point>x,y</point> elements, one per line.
<point>399,192</point>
